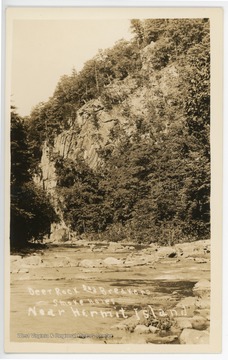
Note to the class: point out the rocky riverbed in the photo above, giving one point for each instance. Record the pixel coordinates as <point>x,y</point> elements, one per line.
<point>90,292</point>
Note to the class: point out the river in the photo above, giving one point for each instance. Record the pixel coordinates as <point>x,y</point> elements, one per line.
<point>66,294</point>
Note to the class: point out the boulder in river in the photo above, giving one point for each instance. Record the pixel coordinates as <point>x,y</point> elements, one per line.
<point>203,312</point>
<point>153,329</point>
<point>202,289</point>
<point>196,249</point>
<point>192,336</point>
<point>142,329</point>
<point>156,339</point>
<point>202,303</point>
<point>129,323</point>
<point>87,263</point>
<point>199,322</point>
<point>183,323</point>
<point>31,261</point>
<point>166,251</point>
<point>112,261</point>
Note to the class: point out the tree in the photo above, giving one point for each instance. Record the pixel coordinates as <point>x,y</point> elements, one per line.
<point>197,113</point>
<point>138,30</point>
<point>80,196</point>
<point>31,211</point>
<point>20,154</point>
<point>154,29</point>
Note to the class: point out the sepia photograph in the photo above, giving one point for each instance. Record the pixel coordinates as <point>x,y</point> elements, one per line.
<point>114,180</point>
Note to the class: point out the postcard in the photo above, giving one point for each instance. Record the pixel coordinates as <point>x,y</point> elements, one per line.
<point>113,211</point>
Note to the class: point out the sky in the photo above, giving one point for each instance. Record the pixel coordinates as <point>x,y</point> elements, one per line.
<point>44,50</point>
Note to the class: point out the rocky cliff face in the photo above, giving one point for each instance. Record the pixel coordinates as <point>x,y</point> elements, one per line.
<point>96,124</point>
<point>125,142</point>
<point>100,123</point>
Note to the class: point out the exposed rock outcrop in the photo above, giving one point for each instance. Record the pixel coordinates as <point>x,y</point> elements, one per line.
<point>98,127</point>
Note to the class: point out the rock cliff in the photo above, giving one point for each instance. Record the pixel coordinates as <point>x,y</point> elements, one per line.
<point>95,126</point>
<point>126,141</point>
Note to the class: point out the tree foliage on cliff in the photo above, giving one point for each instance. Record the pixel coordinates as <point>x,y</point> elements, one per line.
<point>31,211</point>
<point>72,91</point>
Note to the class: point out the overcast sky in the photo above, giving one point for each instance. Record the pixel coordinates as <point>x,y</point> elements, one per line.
<point>44,50</point>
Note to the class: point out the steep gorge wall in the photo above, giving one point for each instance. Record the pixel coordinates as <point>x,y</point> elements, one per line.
<point>95,123</point>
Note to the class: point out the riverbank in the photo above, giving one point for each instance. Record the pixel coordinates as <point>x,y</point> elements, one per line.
<point>112,282</point>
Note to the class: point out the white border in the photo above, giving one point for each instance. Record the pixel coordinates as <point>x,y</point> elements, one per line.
<point>119,3</point>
